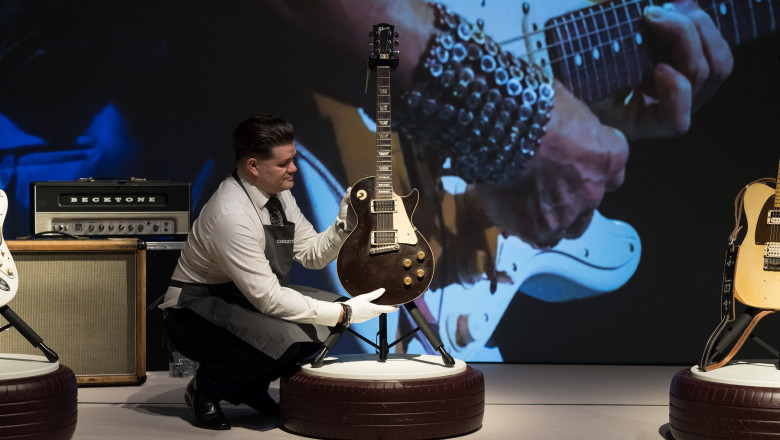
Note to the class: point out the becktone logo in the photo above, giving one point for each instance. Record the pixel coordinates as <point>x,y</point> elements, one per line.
<point>102,199</point>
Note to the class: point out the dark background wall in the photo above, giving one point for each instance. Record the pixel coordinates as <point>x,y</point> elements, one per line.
<point>172,79</point>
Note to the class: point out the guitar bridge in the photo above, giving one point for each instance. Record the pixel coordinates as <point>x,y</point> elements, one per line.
<point>773,217</point>
<point>772,256</point>
<point>383,249</point>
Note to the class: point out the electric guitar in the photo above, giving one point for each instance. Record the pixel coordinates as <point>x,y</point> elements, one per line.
<point>9,281</point>
<point>384,249</point>
<point>757,270</point>
<point>601,260</point>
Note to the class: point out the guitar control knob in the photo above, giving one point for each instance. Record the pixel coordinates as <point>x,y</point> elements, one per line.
<point>420,273</point>
<point>420,255</point>
<point>407,281</point>
<point>407,263</point>
<point>10,271</point>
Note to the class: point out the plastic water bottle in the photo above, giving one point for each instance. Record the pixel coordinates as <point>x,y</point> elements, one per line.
<point>181,366</point>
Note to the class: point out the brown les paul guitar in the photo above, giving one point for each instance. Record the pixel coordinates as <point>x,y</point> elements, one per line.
<point>384,249</point>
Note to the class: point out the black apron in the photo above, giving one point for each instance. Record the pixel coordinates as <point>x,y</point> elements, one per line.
<point>225,305</point>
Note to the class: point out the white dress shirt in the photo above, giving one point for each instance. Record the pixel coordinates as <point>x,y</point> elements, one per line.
<point>227,243</point>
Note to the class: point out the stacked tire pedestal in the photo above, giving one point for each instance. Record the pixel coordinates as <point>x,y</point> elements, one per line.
<point>403,397</point>
<point>737,401</point>
<point>38,399</point>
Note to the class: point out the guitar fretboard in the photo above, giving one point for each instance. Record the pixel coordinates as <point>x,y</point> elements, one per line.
<point>603,50</point>
<point>384,159</point>
<point>777,189</point>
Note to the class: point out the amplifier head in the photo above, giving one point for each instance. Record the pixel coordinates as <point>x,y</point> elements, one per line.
<point>98,208</point>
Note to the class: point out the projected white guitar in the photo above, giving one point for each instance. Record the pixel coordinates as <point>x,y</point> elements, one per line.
<point>9,282</point>
<point>601,260</point>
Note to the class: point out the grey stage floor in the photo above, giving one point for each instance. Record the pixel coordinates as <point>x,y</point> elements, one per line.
<point>522,402</point>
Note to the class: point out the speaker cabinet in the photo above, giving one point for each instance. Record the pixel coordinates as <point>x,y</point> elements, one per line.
<point>86,298</point>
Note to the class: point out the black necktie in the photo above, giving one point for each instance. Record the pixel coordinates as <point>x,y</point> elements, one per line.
<point>274,207</point>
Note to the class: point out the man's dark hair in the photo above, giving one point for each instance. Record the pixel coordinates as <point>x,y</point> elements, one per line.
<point>258,135</point>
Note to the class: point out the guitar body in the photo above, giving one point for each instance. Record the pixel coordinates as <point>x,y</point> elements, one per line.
<point>753,285</point>
<point>9,281</point>
<point>361,271</point>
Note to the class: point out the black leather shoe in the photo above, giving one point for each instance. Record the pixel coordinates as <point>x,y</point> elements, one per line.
<point>206,413</point>
<point>263,403</point>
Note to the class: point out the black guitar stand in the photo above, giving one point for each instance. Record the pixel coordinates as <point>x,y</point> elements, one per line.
<point>15,321</point>
<point>732,331</point>
<point>383,346</point>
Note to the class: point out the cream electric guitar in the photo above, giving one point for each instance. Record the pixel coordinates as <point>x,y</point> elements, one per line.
<point>9,281</point>
<point>757,270</point>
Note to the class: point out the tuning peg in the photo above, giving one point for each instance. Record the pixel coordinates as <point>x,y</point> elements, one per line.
<point>396,42</point>
<point>396,34</point>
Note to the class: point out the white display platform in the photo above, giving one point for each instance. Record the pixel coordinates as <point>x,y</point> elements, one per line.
<point>744,373</point>
<point>15,366</point>
<point>396,367</point>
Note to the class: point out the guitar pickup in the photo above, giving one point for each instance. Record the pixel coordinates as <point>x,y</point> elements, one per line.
<point>383,206</point>
<point>772,257</point>
<point>773,217</point>
<point>381,238</point>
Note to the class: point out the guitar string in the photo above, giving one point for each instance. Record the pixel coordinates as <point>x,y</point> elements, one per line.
<point>613,9</point>
<point>773,227</point>
<point>631,21</point>
<point>383,222</point>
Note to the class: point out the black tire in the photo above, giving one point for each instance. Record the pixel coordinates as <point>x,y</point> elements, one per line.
<point>39,407</point>
<point>705,410</point>
<point>439,407</point>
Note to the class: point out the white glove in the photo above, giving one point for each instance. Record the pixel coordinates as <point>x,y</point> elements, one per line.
<point>363,309</point>
<point>346,219</point>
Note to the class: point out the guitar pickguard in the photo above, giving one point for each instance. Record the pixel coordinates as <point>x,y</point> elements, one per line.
<point>9,281</point>
<point>403,226</point>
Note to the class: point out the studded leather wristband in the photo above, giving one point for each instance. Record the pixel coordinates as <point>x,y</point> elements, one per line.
<point>481,110</point>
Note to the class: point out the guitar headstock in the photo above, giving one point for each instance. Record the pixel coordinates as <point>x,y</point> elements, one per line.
<point>383,52</point>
